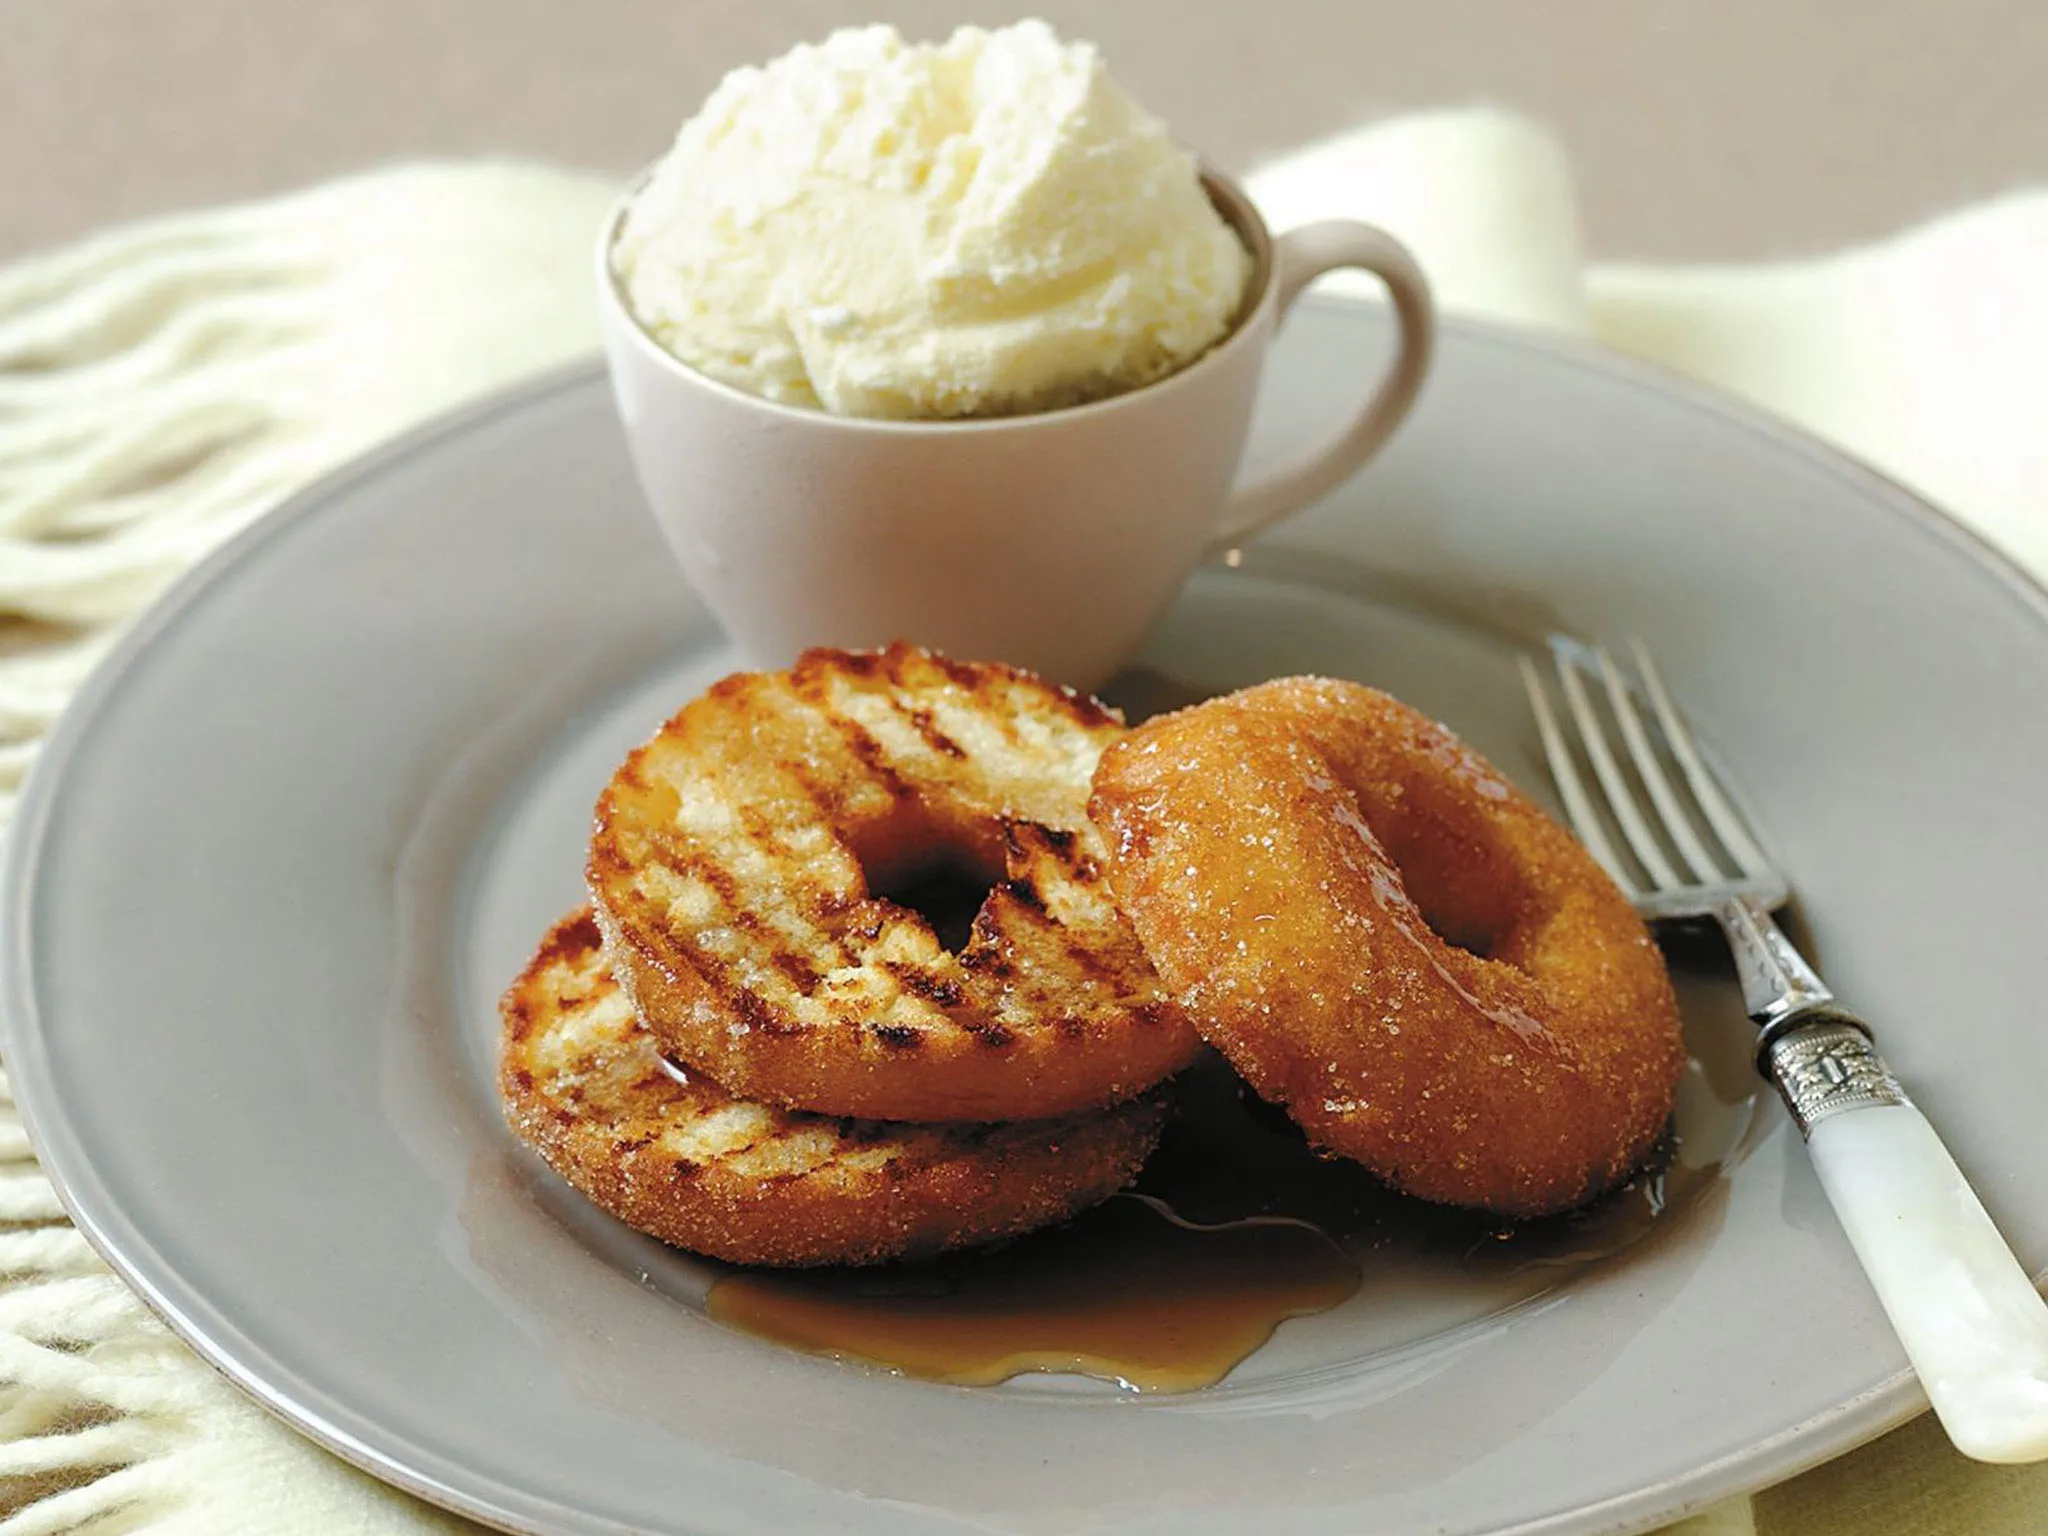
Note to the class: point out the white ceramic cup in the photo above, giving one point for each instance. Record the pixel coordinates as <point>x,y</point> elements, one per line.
<point>1050,541</point>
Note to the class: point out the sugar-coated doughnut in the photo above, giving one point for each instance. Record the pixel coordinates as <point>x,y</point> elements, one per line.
<point>1388,939</point>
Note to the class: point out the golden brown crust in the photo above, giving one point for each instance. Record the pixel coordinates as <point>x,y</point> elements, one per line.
<point>1291,855</point>
<point>686,1162</point>
<point>729,873</point>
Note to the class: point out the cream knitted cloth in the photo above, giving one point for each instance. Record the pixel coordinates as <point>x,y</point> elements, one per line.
<point>162,385</point>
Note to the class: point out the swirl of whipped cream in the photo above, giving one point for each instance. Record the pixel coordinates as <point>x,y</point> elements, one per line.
<point>985,226</point>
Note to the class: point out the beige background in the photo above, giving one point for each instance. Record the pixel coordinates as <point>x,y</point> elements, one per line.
<point>1700,128</point>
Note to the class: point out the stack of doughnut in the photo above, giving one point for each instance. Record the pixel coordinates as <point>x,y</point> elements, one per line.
<point>752,1046</point>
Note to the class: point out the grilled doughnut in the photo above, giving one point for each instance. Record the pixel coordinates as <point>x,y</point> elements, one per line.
<point>741,871</point>
<point>1388,939</point>
<point>683,1160</point>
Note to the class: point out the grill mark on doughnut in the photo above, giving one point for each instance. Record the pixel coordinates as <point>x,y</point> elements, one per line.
<point>1026,839</point>
<point>899,1037</point>
<point>873,756</point>
<point>691,864</point>
<point>815,690</point>
<point>964,675</point>
<point>736,683</point>
<point>759,1015</point>
<point>810,707</point>
<point>757,825</point>
<point>1057,841</point>
<point>518,1021</point>
<point>991,1034</point>
<point>821,797</point>
<point>564,944</point>
<point>1090,964</point>
<point>791,962</point>
<point>830,905</point>
<point>917,981</point>
<point>863,664</point>
<point>1025,894</point>
<point>794,966</point>
<point>927,727</point>
<point>987,686</point>
<point>1089,711</point>
<point>988,961</point>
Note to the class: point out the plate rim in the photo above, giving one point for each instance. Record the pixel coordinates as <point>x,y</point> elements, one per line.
<point>67,1162</point>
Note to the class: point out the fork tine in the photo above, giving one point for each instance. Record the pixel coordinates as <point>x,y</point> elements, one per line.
<point>1678,824</point>
<point>1727,823</point>
<point>1578,805</point>
<point>1621,800</point>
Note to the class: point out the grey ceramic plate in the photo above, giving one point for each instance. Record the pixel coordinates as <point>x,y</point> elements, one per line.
<point>296,835</point>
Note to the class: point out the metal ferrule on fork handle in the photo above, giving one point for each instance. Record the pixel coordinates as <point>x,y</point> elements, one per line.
<point>1824,1064</point>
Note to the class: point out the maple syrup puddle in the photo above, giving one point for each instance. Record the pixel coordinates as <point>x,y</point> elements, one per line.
<point>1126,1292</point>
<point>1234,1226</point>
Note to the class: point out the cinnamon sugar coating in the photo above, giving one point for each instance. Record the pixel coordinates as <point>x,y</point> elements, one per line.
<point>1388,939</point>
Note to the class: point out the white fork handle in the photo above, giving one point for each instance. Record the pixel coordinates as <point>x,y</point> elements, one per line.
<point>1973,1325</point>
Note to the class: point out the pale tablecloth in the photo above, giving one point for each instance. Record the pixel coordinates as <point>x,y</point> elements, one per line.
<point>161,385</point>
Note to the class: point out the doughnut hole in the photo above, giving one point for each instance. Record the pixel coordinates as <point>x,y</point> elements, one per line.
<point>1471,891</point>
<point>940,867</point>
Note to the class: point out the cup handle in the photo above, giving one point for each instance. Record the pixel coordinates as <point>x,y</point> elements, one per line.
<point>1300,257</point>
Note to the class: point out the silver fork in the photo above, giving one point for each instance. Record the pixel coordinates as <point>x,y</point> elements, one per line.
<point>1662,825</point>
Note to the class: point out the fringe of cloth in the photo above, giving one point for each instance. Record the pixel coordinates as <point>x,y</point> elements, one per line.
<point>160,387</point>
<point>91,1400</point>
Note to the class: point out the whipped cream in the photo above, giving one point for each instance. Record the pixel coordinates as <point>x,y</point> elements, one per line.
<point>984,226</point>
